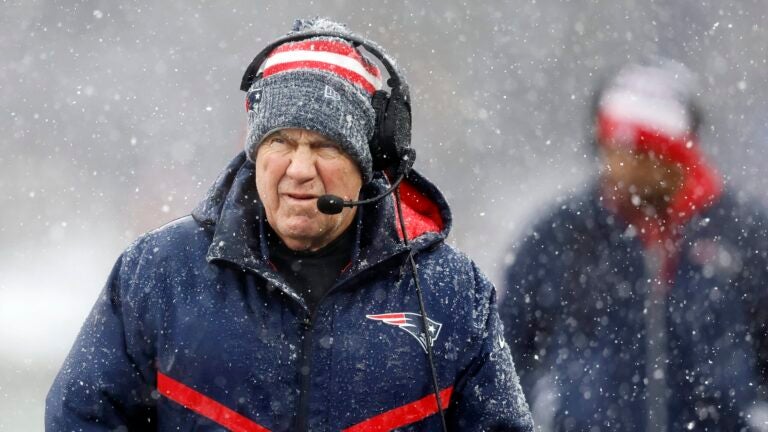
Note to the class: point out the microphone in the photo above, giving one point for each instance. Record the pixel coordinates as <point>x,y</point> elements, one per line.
<point>332,204</point>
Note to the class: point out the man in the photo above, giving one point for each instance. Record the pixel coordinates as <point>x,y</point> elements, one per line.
<point>258,312</point>
<point>641,304</point>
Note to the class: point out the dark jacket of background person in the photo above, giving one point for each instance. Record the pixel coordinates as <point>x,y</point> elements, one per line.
<point>196,330</point>
<point>574,315</point>
<point>641,304</point>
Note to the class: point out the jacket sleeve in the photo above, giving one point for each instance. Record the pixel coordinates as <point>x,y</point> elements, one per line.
<point>488,396</point>
<point>100,387</point>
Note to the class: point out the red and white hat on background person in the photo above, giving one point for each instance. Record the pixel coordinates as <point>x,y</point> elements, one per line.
<point>650,109</point>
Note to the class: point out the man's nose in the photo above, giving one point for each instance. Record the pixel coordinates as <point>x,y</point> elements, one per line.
<point>302,166</point>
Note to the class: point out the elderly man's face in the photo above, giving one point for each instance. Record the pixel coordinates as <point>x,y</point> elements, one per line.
<point>293,168</point>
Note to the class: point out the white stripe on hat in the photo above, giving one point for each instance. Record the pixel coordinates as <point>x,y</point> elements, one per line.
<point>339,60</point>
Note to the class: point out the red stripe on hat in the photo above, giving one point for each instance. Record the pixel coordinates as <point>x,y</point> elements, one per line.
<point>404,415</point>
<point>331,46</point>
<point>612,132</point>
<point>310,64</point>
<point>205,406</point>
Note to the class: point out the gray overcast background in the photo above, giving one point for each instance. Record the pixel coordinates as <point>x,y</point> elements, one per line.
<point>116,117</point>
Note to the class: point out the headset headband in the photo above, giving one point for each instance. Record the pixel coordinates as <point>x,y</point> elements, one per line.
<point>395,75</point>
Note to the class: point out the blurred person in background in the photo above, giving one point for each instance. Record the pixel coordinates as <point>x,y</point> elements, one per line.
<point>259,312</point>
<point>641,304</point>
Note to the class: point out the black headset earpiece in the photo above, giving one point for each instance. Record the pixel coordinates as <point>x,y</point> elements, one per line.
<point>380,151</point>
<point>395,128</point>
<point>391,140</point>
<point>392,136</point>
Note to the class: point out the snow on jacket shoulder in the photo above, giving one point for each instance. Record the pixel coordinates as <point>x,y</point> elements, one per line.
<point>195,330</point>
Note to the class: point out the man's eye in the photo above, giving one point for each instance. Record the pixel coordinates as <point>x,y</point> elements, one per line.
<point>277,142</point>
<point>326,147</point>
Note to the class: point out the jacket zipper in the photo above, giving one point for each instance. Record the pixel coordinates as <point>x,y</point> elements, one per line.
<point>302,417</point>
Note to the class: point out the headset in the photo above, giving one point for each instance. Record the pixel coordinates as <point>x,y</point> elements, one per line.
<point>389,146</point>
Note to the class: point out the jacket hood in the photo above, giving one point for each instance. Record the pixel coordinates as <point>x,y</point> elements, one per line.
<point>232,211</point>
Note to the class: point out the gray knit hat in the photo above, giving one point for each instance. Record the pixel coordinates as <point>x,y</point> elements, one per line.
<point>322,84</point>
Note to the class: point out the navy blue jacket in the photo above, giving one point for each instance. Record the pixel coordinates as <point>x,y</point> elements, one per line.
<point>195,330</point>
<point>575,313</point>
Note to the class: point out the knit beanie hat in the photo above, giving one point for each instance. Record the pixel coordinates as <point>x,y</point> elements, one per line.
<point>323,84</point>
<point>650,109</point>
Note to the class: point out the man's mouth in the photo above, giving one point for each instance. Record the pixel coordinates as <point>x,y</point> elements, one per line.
<point>300,196</point>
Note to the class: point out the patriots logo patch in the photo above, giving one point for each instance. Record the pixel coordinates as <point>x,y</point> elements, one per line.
<point>411,324</point>
<point>253,99</point>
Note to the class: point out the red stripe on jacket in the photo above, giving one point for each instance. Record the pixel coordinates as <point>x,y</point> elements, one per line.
<point>404,415</point>
<point>205,406</point>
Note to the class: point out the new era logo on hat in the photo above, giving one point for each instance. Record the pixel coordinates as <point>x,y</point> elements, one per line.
<point>330,55</point>
<point>331,93</point>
